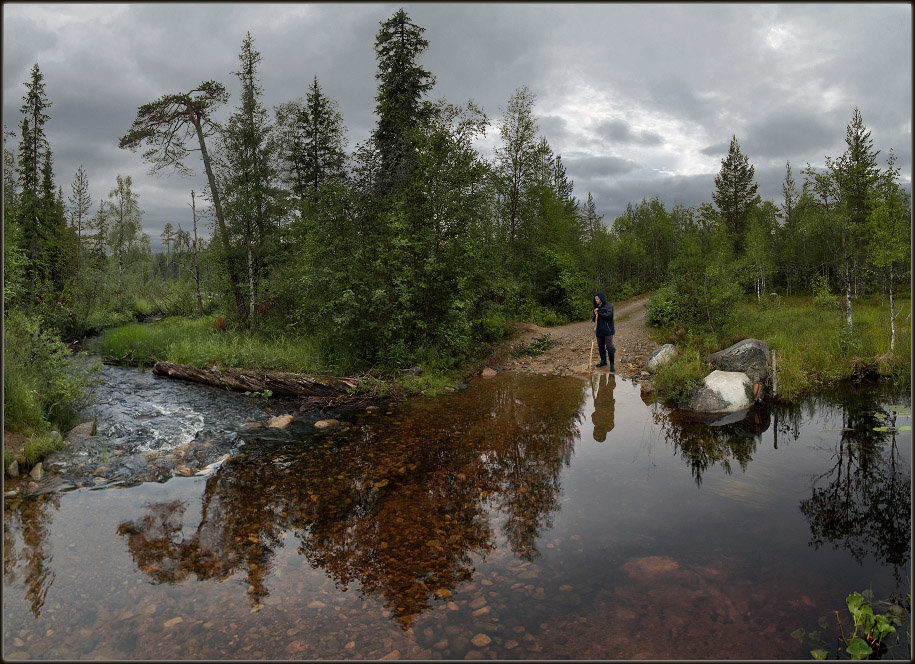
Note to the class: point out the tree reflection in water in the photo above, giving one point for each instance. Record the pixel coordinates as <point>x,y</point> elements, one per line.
<point>703,446</point>
<point>30,522</point>
<point>865,504</point>
<point>398,505</point>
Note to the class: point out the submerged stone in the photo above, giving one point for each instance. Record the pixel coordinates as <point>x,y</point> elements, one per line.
<point>280,421</point>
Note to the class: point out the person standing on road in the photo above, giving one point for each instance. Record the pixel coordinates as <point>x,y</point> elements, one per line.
<point>603,316</point>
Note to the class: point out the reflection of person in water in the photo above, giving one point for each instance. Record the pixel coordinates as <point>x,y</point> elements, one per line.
<point>604,405</point>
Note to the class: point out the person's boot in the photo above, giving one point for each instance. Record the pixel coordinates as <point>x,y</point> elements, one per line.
<point>612,358</point>
<point>603,359</point>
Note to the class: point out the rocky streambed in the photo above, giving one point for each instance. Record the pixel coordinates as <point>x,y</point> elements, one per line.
<point>148,428</point>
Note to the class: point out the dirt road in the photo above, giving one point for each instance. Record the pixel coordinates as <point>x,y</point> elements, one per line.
<point>569,353</point>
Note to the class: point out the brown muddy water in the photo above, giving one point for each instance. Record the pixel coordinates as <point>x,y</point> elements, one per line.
<point>526,517</point>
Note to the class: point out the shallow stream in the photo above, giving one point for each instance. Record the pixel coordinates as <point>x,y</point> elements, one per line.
<point>526,517</point>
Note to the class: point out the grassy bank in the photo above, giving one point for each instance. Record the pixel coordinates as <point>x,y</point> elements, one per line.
<point>813,347</point>
<point>199,343</point>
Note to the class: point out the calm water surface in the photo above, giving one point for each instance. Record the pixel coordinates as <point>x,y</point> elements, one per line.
<point>526,517</point>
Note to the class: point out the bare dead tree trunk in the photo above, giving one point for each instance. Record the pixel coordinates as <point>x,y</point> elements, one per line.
<point>196,264</point>
<point>223,232</point>
<point>892,314</point>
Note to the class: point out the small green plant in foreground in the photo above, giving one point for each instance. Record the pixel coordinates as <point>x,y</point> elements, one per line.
<point>870,628</point>
<point>868,640</point>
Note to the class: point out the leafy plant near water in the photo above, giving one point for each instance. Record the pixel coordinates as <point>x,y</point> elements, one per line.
<point>871,629</point>
<point>677,380</point>
<point>899,411</point>
<point>537,347</point>
<point>874,627</point>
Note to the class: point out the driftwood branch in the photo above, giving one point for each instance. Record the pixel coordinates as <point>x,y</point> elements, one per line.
<point>279,383</point>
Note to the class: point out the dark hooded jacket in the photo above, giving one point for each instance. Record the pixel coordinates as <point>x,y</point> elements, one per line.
<point>604,317</point>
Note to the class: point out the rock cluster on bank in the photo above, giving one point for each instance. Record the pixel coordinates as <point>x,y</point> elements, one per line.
<point>734,384</point>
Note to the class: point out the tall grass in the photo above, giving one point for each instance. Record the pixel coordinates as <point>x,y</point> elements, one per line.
<point>197,342</point>
<point>814,348</point>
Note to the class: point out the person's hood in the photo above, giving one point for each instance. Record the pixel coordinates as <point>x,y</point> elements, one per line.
<point>603,298</point>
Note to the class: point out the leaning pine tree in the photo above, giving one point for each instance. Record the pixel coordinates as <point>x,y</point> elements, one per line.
<point>165,125</point>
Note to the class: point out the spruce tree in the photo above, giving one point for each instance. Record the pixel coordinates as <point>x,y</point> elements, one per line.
<point>80,202</point>
<point>248,175</point>
<point>735,193</point>
<point>402,84</point>
<point>33,149</point>
<point>316,151</point>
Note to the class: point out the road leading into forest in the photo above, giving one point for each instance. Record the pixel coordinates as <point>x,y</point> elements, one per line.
<point>571,345</point>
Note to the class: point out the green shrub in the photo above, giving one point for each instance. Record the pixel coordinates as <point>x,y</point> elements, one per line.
<point>537,347</point>
<point>43,382</point>
<point>677,380</point>
<point>489,328</point>
<point>823,299</point>
<point>663,307</point>
<point>142,306</point>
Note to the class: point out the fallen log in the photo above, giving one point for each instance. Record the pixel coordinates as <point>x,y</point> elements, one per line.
<point>279,383</point>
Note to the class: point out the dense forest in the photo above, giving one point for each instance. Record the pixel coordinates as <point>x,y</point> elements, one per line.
<point>409,248</point>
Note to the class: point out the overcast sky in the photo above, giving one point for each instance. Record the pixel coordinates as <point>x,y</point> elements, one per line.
<point>640,100</point>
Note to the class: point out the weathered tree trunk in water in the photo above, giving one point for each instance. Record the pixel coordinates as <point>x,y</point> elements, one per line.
<point>280,384</point>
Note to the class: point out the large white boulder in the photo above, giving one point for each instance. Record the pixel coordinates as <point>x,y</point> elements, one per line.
<point>722,392</point>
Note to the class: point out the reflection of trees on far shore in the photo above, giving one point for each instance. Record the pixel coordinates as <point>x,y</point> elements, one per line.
<point>398,504</point>
<point>862,503</point>
<point>26,549</point>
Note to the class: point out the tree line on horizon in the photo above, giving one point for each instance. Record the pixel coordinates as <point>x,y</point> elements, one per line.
<point>412,247</point>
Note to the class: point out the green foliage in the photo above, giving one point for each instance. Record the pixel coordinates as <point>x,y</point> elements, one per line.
<point>40,445</point>
<point>702,303</point>
<point>664,307</point>
<point>559,283</point>
<point>869,640</point>
<point>537,347</point>
<point>43,383</point>
<point>677,380</point>
<point>823,299</point>
<point>873,627</point>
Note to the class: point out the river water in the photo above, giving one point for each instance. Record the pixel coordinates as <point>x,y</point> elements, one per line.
<point>525,517</point>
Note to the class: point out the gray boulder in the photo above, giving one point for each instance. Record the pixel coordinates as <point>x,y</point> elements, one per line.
<point>750,356</point>
<point>78,434</point>
<point>722,392</point>
<point>662,355</point>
